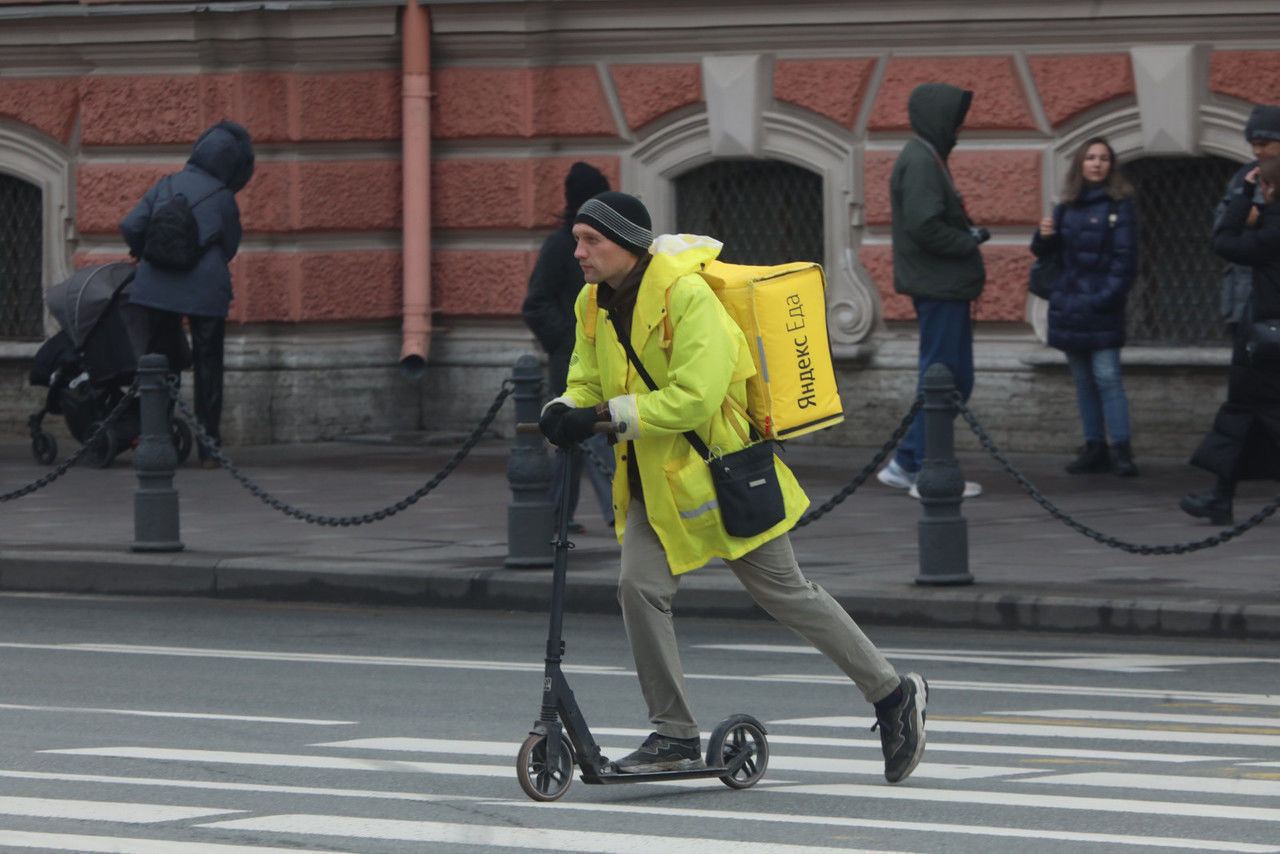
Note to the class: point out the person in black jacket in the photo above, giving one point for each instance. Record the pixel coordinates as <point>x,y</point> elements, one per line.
<point>548,312</point>
<point>1094,234</point>
<point>1244,442</point>
<point>220,165</point>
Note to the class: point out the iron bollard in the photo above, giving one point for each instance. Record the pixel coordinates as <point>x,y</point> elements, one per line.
<point>942,531</point>
<point>529,522</point>
<point>155,504</point>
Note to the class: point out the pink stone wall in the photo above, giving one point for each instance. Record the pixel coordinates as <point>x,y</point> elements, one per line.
<point>1070,84</point>
<point>476,103</point>
<point>480,281</point>
<point>47,104</point>
<point>505,193</point>
<point>834,88</point>
<point>651,91</point>
<point>1251,75</point>
<point>999,102</point>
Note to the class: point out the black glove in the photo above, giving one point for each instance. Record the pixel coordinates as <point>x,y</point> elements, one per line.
<point>980,234</point>
<point>552,422</point>
<point>578,425</point>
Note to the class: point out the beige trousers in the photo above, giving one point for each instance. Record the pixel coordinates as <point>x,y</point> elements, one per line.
<point>774,580</point>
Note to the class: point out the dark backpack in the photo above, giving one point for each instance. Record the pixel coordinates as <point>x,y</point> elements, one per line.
<point>172,239</point>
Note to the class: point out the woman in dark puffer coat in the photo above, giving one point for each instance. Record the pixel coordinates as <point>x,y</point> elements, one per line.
<point>1095,235</point>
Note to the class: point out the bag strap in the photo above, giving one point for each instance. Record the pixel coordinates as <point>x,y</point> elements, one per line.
<point>694,439</point>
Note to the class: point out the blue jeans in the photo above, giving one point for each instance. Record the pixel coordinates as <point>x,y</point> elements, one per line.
<point>1100,394</point>
<point>946,336</point>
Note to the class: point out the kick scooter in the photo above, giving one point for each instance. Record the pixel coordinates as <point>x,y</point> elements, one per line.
<point>737,752</point>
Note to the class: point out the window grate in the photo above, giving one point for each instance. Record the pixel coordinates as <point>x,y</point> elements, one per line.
<point>21,255</point>
<point>1175,297</point>
<point>764,211</point>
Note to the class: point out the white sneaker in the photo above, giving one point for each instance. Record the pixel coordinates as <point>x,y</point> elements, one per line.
<point>971,490</point>
<point>896,476</point>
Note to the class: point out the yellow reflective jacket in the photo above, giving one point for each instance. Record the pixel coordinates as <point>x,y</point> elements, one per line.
<point>700,373</point>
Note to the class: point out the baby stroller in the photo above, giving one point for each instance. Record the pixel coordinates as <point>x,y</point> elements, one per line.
<point>89,365</point>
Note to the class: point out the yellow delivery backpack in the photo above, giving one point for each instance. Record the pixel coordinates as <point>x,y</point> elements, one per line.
<point>782,311</point>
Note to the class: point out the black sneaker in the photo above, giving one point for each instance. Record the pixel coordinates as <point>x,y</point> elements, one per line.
<point>902,729</point>
<point>661,753</point>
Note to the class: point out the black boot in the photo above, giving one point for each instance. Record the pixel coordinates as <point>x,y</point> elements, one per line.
<point>1091,458</point>
<point>1123,456</point>
<point>1214,506</point>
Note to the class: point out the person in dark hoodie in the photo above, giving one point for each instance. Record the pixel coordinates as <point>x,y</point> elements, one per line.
<point>220,165</point>
<point>1244,442</point>
<point>1094,234</point>
<point>1262,132</point>
<point>548,312</point>
<point>936,260</point>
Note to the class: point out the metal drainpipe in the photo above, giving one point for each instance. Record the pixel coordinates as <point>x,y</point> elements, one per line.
<point>416,170</point>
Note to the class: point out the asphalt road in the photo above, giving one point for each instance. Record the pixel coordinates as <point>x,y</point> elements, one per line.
<point>215,727</point>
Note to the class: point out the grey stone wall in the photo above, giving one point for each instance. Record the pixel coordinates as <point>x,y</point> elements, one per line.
<point>310,383</point>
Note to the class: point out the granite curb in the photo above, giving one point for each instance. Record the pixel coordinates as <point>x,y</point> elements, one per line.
<point>483,585</point>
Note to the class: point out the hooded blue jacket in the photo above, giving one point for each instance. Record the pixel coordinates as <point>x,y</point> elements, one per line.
<point>221,163</point>
<point>1098,266</point>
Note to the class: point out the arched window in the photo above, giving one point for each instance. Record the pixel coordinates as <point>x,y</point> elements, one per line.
<point>764,211</point>
<point>21,256</point>
<point>1175,298</point>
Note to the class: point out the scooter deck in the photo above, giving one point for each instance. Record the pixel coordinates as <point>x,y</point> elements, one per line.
<point>652,776</point>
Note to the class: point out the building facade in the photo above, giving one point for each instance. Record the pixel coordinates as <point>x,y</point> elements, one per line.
<point>404,186</point>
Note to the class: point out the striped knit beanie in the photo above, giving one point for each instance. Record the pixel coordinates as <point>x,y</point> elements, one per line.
<point>619,217</point>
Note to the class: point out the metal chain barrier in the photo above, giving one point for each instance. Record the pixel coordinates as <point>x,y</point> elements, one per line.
<point>1132,548</point>
<point>901,430</point>
<point>112,417</point>
<point>214,451</point>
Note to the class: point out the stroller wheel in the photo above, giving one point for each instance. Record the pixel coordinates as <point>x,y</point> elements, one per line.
<point>102,448</point>
<point>44,448</point>
<point>181,435</point>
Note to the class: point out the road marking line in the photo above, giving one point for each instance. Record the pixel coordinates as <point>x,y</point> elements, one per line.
<point>1160,695</point>
<point>103,810</point>
<point>119,845</point>
<point>1105,661</point>
<point>499,836</point>
<point>1012,728</point>
<point>1215,721</point>
<point>147,713</point>
<point>1223,812</point>
<point>339,763</point>
<point>308,657</point>
<point>235,787</point>
<point>777,762</point>
<point>914,826</point>
<point>1165,783</point>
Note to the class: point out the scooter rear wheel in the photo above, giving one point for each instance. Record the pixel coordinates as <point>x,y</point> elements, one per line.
<point>539,781</point>
<point>729,740</point>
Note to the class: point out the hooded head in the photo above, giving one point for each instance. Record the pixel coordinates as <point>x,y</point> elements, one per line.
<point>936,112</point>
<point>225,152</point>
<point>582,182</point>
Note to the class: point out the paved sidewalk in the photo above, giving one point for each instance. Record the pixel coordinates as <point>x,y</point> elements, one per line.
<point>1031,571</point>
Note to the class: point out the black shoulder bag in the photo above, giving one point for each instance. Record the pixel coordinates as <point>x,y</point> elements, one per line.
<point>746,481</point>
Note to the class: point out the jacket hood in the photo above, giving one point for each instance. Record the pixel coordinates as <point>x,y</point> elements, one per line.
<point>675,255</point>
<point>225,152</point>
<point>936,112</point>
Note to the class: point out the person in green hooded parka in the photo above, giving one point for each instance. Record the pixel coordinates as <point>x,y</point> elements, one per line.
<point>936,260</point>
<point>641,287</point>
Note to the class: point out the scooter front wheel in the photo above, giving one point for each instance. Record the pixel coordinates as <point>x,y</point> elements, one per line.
<point>730,740</point>
<point>538,779</point>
